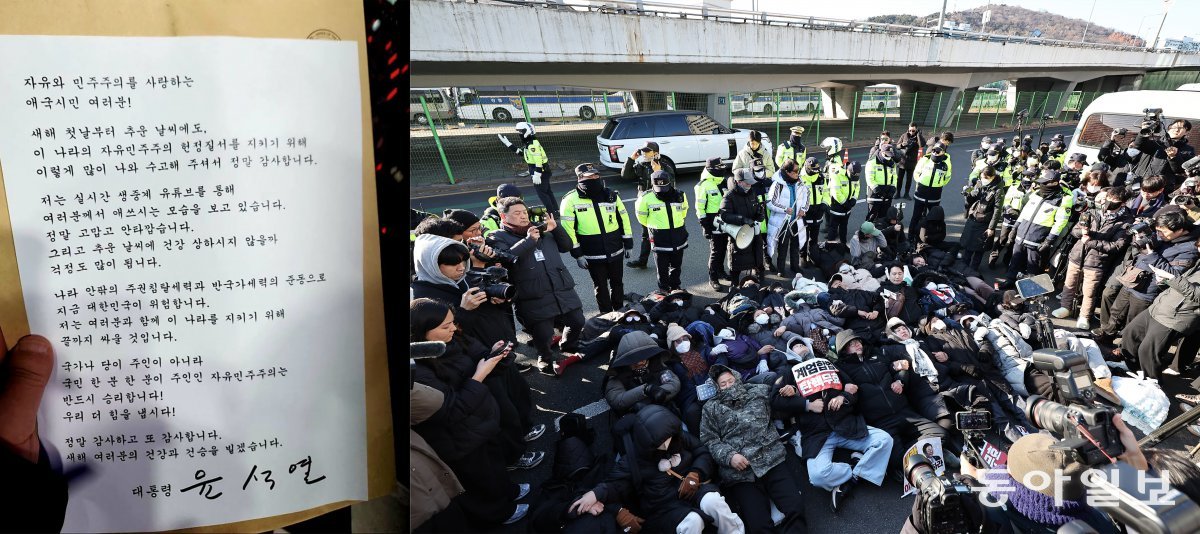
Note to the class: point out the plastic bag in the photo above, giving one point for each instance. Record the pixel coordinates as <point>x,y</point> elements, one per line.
<point>1145,403</point>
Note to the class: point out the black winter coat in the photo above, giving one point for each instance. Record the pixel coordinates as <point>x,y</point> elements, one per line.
<point>637,474</point>
<point>874,376</point>
<point>859,300</point>
<point>744,207</point>
<point>909,310</point>
<point>632,170</point>
<point>487,324</point>
<point>1107,238</point>
<point>545,289</point>
<point>983,213</point>
<point>469,416</point>
<point>815,428</point>
<point>1151,161</point>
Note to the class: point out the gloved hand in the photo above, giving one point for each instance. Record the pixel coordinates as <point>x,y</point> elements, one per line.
<point>1043,249</point>
<point>656,393</point>
<point>719,349</point>
<point>504,140</point>
<point>762,367</point>
<point>537,177</point>
<point>629,523</point>
<point>626,253</point>
<point>689,485</point>
<point>582,262</point>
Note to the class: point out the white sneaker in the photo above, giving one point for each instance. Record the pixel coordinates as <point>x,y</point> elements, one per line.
<point>518,514</point>
<point>1061,313</point>
<point>1083,324</point>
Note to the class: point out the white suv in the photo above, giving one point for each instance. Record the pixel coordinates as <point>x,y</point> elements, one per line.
<point>689,138</point>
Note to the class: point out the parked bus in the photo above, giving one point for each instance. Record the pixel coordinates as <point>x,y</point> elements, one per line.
<point>437,100</point>
<point>504,107</point>
<point>767,103</point>
<point>879,99</point>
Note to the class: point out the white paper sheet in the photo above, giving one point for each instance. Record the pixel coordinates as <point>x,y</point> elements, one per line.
<point>300,203</point>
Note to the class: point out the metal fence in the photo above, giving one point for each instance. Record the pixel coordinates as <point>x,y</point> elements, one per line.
<point>457,142</point>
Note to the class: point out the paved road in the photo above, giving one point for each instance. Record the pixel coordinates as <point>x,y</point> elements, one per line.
<point>872,509</point>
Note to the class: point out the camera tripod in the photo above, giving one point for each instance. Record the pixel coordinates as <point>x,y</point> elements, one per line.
<point>1169,429</point>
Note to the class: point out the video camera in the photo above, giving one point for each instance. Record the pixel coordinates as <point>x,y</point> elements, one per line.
<point>1083,426</point>
<point>945,498</point>
<point>493,281</point>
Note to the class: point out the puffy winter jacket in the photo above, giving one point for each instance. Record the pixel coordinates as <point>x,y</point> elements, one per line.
<point>469,416</point>
<point>1108,235</point>
<point>637,472</point>
<point>738,421</point>
<point>1175,257</point>
<point>627,391</point>
<point>1178,307</point>
<point>545,288</point>
<point>815,428</point>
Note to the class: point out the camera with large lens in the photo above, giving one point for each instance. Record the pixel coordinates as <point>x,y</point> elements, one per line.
<point>496,256</point>
<point>1151,121</point>
<point>1121,131</point>
<point>1142,230</point>
<point>1082,425</point>
<point>493,281</point>
<point>945,499</point>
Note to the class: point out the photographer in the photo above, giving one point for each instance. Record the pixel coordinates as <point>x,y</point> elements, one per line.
<point>1144,157</point>
<point>1185,197</point>
<point>1176,312</point>
<point>643,163</point>
<point>595,218</point>
<point>908,147</point>
<point>1178,149</point>
<point>1171,251</point>
<point>545,288</point>
<point>1150,197</point>
<point>1101,236</point>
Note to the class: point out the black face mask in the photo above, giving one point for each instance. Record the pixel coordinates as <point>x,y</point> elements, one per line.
<point>790,179</point>
<point>938,158</point>
<point>794,140</point>
<point>592,186</point>
<point>1047,190</point>
<point>1114,206</point>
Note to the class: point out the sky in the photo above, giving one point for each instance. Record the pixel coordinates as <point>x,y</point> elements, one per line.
<point>1139,17</point>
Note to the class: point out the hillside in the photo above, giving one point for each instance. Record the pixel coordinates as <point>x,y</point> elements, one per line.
<point>1013,20</point>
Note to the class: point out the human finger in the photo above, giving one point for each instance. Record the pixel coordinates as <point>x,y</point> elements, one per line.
<point>25,371</point>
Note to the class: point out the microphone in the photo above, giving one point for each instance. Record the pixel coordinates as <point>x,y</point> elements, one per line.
<point>426,349</point>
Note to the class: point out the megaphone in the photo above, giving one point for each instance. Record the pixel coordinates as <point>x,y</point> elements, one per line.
<point>742,234</point>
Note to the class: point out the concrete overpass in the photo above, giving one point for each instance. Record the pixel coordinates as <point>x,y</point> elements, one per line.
<point>661,47</point>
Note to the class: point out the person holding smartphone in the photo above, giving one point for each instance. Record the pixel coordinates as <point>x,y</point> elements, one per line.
<point>640,166</point>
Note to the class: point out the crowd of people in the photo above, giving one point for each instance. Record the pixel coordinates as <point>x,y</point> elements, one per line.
<point>861,341</point>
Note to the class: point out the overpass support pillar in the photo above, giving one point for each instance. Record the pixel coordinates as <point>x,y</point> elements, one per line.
<point>1064,89</point>
<point>838,102</point>
<point>1010,100</point>
<point>718,108</point>
<point>945,113</point>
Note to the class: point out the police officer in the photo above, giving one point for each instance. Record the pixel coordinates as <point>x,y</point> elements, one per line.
<point>598,224</point>
<point>843,196</point>
<point>1010,208</point>
<point>539,163</point>
<point>643,163</point>
<point>1043,220</point>
<point>663,212</point>
<point>985,145</point>
<point>994,159</point>
<point>709,191</point>
<point>931,176</point>
<point>818,203</point>
<point>882,174</point>
<point>791,149</point>
<point>490,220</point>
<point>1057,150</point>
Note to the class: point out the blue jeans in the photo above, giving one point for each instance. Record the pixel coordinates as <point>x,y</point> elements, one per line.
<point>876,447</point>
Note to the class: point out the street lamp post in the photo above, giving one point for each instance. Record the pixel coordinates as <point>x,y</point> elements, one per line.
<point>1089,22</point>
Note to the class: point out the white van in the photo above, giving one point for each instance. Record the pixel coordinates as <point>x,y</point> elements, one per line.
<point>1126,110</point>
